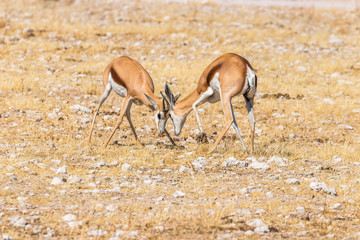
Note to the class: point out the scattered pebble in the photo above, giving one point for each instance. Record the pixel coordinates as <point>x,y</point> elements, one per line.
<point>259,226</point>
<point>97,233</point>
<point>337,206</point>
<point>57,180</point>
<point>126,167</point>
<point>317,186</point>
<point>199,163</point>
<point>78,109</point>
<point>69,218</point>
<point>282,162</point>
<point>231,162</point>
<point>292,181</point>
<point>261,166</point>
<point>179,194</point>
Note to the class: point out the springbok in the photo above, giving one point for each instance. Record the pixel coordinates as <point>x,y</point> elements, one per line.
<point>132,82</point>
<point>226,77</point>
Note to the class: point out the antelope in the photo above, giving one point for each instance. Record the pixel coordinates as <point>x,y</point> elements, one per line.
<point>226,77</point>
<point>130,81</point>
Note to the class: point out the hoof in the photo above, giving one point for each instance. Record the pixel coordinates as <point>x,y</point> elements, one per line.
<point>202,138</point>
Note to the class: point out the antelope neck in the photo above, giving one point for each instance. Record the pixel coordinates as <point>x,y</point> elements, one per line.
<point>184,107</point>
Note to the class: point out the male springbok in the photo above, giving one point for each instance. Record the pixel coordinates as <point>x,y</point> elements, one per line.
<point>132,82</point>
<point>226,77</point>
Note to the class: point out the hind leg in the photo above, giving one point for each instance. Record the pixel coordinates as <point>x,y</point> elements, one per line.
<point>249,107</point>
<point>103,97</point>
<point>122,114</point>
<point>226,103</point>
<point>235,126</point>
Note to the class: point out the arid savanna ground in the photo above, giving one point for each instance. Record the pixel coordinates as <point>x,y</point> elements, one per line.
<point>302,181</point>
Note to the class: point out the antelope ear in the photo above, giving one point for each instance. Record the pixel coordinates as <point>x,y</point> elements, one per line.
<point>177,97</point>
<point>150,100</point>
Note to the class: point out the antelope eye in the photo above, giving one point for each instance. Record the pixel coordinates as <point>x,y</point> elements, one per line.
<point>159,116</point>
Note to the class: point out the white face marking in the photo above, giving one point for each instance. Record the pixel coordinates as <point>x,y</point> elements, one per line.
<point>162,122</point>
<point>178,122</point>
<point>156,116</point>
<point>120,90</point>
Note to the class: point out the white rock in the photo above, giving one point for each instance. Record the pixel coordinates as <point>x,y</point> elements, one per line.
<point>199,163</point>
<point>98,165</point>
<point>6,237</point>
<point>133,234</point>
<point>260,211</point>
<point>126,167</point>
<point>261,166</point>
<point>300,210</point>
<point>159,228</point>
<point>80,109</point>
<point>249,233</point>
<point>75,224</point>
<point>262,230</point>
<point>56,161</point>
<point>346,127</point>
<point>98,232</point>
<point>231,161</point>
<point>245,212</point>
<point>302,69</point>
<point>119,233</point>
<point>292,181</point>
<point>57,180</point>
<point>111,208</point>
<point>337,206</point>
<point>85,120</point>
<point>184,169</point>
<point>179,194</point>
<point>73,179</point>
<point>282,162</point>
<point>328,100</point>
<point>317,186</point>
<point>259,225</point>
<point>61,170</point>
<point>269,195</point>
<point>17,221</point>
<point>69,217</point>
<point>127,185</point>
<point>244,191</point>
<point>190,140</point>
<point>335,40</point>
<point>255,223</point>
<point>336,159</point>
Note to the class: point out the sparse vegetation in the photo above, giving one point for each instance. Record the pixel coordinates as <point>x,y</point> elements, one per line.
<point>52,184</point>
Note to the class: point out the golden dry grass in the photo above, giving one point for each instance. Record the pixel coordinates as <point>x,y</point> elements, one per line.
<point>53,54</point>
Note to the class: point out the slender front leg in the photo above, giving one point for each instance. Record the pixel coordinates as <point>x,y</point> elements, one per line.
<point>249,107</point>
<point>200,101</point>
<point>127,114</point>
<point>171,140</point>
<point>122,113</point>
<point>103,97</point>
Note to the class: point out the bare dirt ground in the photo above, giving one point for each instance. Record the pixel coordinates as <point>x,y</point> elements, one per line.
<point>301,182</point>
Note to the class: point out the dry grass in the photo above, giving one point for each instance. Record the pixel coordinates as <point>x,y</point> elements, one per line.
<point>53,54</point>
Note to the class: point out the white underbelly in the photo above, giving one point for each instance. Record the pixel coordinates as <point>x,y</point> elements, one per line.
<point>215,86</point>
<point>120,90</point>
